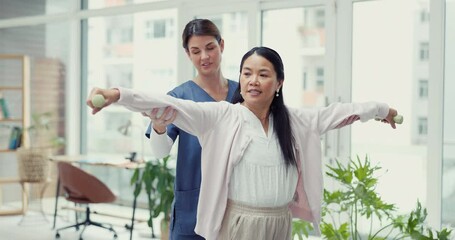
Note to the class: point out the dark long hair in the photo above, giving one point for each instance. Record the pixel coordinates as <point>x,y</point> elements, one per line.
<point>199,27</point>
<point>280,113</point>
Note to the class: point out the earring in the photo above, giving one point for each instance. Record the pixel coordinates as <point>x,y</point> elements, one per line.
<point>277,93</point>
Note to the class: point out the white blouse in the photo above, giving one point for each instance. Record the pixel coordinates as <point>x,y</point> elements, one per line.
<point>261,178</point>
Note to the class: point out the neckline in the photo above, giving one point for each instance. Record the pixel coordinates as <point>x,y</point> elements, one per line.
<point>228,95</point>
<point>257,122</point>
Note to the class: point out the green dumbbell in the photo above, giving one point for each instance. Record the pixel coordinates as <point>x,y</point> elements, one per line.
<point>98,100</point>
<point>398,119</point>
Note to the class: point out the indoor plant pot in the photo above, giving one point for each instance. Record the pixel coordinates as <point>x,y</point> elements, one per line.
<point>33,161</point>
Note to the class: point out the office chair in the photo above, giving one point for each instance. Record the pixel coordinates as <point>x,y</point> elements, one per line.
<point>81,187</point>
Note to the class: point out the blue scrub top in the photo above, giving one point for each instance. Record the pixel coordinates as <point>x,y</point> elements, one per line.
<point>188,169</point>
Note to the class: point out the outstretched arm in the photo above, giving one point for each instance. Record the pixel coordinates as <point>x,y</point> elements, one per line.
<point>194,118</point>
<point>339,115</point>
<point>392,115</point>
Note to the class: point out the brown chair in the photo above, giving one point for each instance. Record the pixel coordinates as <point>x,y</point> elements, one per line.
<point>81,187</point>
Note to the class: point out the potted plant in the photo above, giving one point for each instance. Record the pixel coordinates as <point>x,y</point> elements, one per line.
<point>33,161</point>
<point>357,199</point>
<point>157,178</point>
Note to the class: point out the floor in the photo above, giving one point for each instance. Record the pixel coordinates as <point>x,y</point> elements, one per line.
<point>38,226</point>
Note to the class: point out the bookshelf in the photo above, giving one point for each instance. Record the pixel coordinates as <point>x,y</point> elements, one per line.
<point>15,91</point>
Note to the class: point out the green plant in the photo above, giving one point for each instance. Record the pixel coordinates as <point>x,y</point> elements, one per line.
<point>157,178</point>
<point>357,199</point>
<point>41,132</point>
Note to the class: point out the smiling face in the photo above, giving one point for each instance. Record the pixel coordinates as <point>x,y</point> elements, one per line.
<point>205,54</point>
<point>258,82</point>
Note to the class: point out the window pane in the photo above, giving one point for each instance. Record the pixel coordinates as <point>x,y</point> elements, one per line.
<point>49,59</point>
<point>234,30</point>
<point>135,51</point>
<point>50,65</point>
<point>389,43</point>
<point>14,8</point>
<point>305,35</point>
<point>448,179</point>
<point>423,88</point>
<point>95,4</point>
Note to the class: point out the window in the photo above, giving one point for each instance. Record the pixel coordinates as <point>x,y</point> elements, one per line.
<point>51,62</point>
<point>320,18</point>
<point>93,4</point>
<point>123,60</point>
<point>422,126</point>
<point>423,88</point>
<point>304,80</point>
<point>119,75</point>
<point>320,78</point>
<point>15,9</point>
<point>114,36</point>
<point>303,54</point>
<point>448,173</point>
<point>161,28</point>
<point>234,30</point>
<point>424,51</point>
<point>424,16</point>
<point>376,55</point>
<point>118,29</point>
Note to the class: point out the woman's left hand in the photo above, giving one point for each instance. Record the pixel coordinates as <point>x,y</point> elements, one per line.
<point>389,118</point>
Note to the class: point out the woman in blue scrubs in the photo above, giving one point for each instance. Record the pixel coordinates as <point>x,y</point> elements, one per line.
<point>204,47</point>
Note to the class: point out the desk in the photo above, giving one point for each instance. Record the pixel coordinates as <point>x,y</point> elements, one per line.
<point>101,160</point>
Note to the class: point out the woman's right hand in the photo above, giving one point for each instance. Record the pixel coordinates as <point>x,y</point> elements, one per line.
<point>161,120</point>
<point>110,96</point>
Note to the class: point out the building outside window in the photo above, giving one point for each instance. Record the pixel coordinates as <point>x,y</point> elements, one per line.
<point>159,28</point>
<point>424,16</point>
<point>424,51</point>
<point>320,79</point>
<point>422,126</point>
<point>423,88</point>
<point>304,80</point>
<point>320,18</point>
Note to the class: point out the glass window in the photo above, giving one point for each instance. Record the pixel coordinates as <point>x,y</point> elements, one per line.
<point>95,4</point>
<point>304,80</point>
<point>127,56</point>
<point>424,15</point>
<point>320,79</point>
<point>162,28</point>
<point>320,18</point>
<point>422,126</point>
<point>50,63</point>
<point>423,88</point>
<point>424,51</point>
<point>159,29</point>
<point>119,30</point>
<point>303,54</point>
<point>387,37</point>
<point>448,170</point>
<point>234,30</point>
<point>15,9</point>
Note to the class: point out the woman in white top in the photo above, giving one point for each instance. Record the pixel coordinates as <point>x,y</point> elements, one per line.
<point>261,162</point>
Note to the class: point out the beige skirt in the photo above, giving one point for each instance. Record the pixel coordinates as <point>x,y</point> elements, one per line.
<point>243,222</point>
